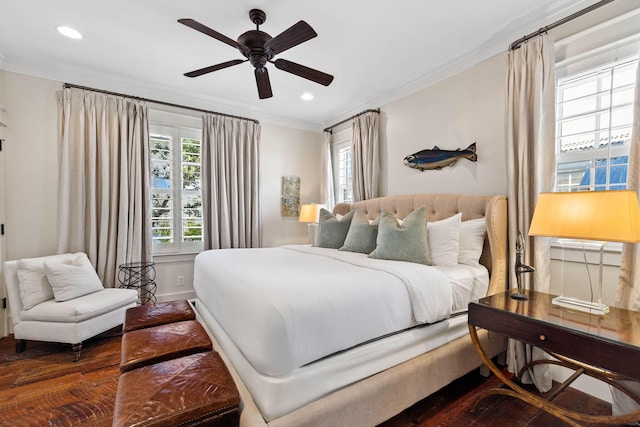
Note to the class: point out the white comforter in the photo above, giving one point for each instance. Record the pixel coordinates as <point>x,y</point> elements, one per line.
<point>289,306</point>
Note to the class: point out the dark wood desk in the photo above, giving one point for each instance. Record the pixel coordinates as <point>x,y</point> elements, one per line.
<point>606,347</point>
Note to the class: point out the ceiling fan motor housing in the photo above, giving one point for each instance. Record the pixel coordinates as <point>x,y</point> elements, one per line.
<point>255,40</point>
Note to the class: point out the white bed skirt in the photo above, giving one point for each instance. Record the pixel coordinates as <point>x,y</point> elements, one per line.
<point>277,396</point>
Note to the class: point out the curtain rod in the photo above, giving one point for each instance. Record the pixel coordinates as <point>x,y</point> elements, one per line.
<point>169,104</point>
<point>330,130</point>
<point>516,44</point>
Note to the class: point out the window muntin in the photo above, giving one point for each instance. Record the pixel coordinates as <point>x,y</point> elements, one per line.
<point>594,119</point>
<point>176,189</point>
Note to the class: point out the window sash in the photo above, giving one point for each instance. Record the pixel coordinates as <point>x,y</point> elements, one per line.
<point>342,154</point>
<point>593,133</point>
<point>176,189</point>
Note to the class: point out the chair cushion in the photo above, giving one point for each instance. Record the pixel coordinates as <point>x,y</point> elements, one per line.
<point>81,308</point>
<point>191,390</point>
<point>161,313</point>
<point>143,347</point>
<point>72,278</point>
<point>32,280</point>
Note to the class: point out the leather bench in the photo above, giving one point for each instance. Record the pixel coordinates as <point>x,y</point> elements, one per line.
<point>194,390</point>
<point>170,375</point>
<point>143,347</point>
<point>146,316</point>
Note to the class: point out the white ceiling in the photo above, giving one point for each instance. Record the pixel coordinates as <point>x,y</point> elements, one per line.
<point>378,50</point>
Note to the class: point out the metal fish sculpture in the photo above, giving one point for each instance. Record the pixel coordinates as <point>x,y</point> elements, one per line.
<point>438,159</point>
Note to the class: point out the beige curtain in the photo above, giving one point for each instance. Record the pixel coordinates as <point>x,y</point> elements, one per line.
<point>104,200</point>
<point>531,169</point>
<point>230,182</point>
<point>327,190</point>
<point>366,157</point>
<point>628,295</point>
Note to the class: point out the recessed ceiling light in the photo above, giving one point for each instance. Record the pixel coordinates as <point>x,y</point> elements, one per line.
<point>69,32</point>
<point>307,96</point>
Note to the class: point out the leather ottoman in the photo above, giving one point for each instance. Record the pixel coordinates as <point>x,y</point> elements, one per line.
<point>159,343</point>
<point>194,390</point>
<point>146,316</point>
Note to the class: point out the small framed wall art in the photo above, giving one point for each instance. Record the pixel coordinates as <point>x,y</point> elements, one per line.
<point>290,205</point>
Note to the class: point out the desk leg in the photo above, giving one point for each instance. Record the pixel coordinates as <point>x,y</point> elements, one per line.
<point>568,416</point>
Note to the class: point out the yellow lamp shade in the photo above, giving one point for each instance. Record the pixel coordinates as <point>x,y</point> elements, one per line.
<point>310,212</point>
<point>611,216</point>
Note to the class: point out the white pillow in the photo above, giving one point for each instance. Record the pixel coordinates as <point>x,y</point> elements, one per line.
<point>444,238</point>
<point>471,241</point>
<point>32,281</point>
<point>73,278</point>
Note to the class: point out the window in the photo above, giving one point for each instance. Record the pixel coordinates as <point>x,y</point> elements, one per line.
<point>593,133</point>
<point>343,165</point>
<point>176,189</point>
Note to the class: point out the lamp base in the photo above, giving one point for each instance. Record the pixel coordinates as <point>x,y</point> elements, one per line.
<point>519,295</point>
<point>580,305</point>
<point>312,232</point>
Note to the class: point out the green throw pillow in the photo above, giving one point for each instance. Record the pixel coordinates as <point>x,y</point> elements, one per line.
<point>332,231</point>
<point>361,236</point>
<point>406,242</point>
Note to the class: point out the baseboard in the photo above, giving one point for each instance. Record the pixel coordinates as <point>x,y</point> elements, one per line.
<point>176,296</point>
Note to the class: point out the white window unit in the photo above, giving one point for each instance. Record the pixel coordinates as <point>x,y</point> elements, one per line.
<point>176,188</point>
<point>342,154</point>
<point>593,133</point>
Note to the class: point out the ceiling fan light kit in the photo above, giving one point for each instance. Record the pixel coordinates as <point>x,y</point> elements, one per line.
<point>259,48</point>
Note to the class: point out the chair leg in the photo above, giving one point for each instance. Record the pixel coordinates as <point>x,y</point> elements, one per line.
<point>21,345</point>
<point>77,348</point>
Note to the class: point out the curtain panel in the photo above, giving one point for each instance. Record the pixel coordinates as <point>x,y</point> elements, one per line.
<point>366,157</point>
<point>104,199</point>
<point>230,182</point>
<point>327,189</point>
<point>531,170</point>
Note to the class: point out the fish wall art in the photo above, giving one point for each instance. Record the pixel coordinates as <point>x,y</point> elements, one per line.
<point>436,158</point>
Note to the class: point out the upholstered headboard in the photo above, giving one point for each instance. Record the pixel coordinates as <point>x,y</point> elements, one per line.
<point>441,206</point>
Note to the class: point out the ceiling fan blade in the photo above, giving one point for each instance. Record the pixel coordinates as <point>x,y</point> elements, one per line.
<point>304,72</point>
<point>292,36</point>
<point>213,68</point>
<point>264,85</point>
<point>192,23</point>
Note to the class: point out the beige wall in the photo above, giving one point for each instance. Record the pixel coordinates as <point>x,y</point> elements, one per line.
<point>287,152</point>
<point>465,108</point>
<point>30,166</point>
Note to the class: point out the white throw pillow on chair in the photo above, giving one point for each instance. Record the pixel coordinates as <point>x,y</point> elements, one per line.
<point>73,278</point>
<point>32,280</point>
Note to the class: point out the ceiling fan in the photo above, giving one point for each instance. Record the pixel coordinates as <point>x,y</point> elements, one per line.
<point>259,48</point>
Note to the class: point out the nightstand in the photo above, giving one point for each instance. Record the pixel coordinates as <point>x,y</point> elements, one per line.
<point>606,347</point>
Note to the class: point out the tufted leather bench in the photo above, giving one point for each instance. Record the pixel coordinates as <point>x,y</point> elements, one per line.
<point>170,376</point>
<point>146,316</point>
<point>163,342</point>
<point>194,390</point>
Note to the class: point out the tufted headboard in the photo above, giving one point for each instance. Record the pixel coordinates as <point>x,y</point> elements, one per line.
<point>441,206</point>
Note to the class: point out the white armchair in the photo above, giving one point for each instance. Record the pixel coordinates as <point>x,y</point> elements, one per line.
<point>70,309</point>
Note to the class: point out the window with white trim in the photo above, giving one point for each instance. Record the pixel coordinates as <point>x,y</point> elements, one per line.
<point>176,194</point>
<point>593,127</point>
<point>342,161</point>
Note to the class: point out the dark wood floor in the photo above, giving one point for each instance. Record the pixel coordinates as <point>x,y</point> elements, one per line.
<point>43,387</point>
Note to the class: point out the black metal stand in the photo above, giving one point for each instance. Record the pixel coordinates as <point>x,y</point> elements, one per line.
<point>139,276</point>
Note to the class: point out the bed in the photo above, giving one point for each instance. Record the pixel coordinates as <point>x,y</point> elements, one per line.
<point>317,336</point>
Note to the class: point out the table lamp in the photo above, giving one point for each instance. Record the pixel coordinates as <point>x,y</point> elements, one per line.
<point>310,214</point>
<point>605,216</point>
